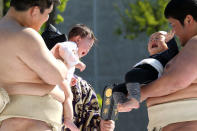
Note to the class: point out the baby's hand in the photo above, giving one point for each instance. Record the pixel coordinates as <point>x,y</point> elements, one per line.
<point>169,35</point>
<point>73,81</point>
<point>81,66</point>
<point>157,43</point>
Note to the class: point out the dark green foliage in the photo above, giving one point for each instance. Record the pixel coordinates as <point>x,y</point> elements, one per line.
<point>6,5</point>
<point>61,8</point>
<point>142,16</point>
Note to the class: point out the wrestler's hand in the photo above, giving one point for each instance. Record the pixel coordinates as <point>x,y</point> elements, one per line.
<point>157,43</point>
<point>128,106</point>
<point>107,125</point>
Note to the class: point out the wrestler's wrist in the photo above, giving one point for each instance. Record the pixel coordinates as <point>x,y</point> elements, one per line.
<point>143,95</point>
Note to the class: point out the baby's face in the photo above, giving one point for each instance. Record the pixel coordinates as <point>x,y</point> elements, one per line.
<point>84,46</point>
<point>157,43</point>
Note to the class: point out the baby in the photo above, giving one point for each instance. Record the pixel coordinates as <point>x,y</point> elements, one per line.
<point>128,94</point>
<point>80,41</point>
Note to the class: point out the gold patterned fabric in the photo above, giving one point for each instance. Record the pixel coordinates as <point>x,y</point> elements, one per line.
<point>85,106</point>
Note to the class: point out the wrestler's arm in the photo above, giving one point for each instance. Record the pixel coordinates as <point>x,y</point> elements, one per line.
<point>67,90</point>
<point>179,75</point>
<point>34,53</point>
<point>68,107</point>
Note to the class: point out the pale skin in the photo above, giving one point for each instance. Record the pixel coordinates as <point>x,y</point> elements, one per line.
<point>68,107</point>
<point>84,45</point>
<point>179,78</point>
<point>27,66</point>
<point>107,125</point>
<point>157,43</point>
<point>158,40</point>
<point>67,104</point>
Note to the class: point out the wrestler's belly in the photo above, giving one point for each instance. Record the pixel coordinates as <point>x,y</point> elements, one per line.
<point>23,124</point>
<point>182,126</point>
<point>189,92</point>
<point>38,89</point>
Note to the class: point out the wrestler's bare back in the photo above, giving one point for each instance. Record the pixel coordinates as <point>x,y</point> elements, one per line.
<point>19,77</point>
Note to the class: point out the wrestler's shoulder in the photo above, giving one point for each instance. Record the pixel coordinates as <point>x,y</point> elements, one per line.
<point>28,36</point>
<point>29,33</point>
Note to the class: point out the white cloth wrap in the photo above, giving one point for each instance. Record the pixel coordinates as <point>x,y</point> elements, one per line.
<point>68,51</point>
<point>154,63</point>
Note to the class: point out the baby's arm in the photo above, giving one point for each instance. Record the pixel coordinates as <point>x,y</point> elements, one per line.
<point>80,66</point>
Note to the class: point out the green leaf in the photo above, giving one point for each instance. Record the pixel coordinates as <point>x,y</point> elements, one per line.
<point>42,28</point>
<point>142,16</point>
<point>7,4</point>
<point>59,19</point>
<point>62,6</point>
<point>99,100</point>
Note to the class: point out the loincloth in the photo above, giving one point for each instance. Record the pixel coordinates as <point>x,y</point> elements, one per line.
<point>164,114</point>
<point>43,108</point>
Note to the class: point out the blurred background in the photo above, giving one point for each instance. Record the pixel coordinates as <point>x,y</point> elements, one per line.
<point>122,28</point>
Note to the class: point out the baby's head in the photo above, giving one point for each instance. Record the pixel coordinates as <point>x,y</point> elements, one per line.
<point>83,37</point>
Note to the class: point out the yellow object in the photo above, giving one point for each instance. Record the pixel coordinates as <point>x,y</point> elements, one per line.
<point>108,92</point>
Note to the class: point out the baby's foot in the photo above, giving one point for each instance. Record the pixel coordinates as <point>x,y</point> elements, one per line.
<point>128,106</point>
<point>69,124</point>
